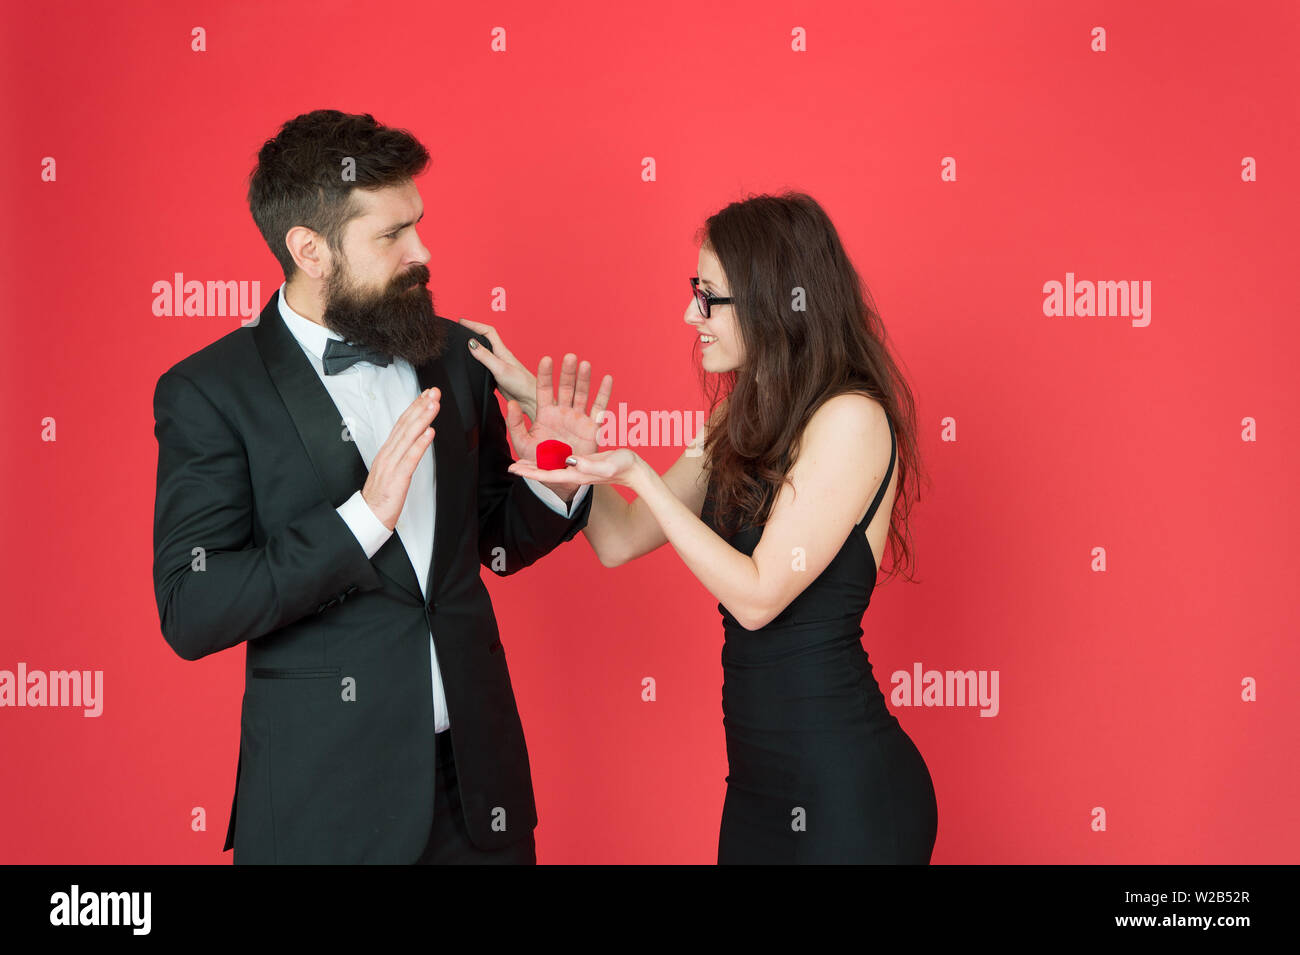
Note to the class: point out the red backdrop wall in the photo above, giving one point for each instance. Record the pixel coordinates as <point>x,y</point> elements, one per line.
<point>1168,158</point>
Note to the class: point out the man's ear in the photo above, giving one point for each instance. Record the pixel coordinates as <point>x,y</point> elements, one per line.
<point>309,250</point>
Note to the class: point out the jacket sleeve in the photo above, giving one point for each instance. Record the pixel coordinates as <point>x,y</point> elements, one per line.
<point>516,527</point>
<point>213,587</point>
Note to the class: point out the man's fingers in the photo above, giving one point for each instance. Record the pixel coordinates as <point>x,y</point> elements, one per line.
<point>568,374</point>
<point>584,385</point>
<point>602,397</point>
<point>407,423</point>
<point>413,445</point>
<point>416,407</point>
<point>411,423</point>
<point>411,459</point>
<point>515,424</point>
<point>545,388</point>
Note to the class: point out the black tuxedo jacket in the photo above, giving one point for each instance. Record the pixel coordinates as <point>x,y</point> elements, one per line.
<point>336,745</point>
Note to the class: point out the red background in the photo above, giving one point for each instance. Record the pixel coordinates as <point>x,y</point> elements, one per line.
<point>1118,689</point>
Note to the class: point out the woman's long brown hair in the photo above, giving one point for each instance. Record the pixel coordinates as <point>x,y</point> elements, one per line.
<point>795,360</point>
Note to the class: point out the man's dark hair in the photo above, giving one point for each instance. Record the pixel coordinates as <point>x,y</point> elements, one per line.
<point>306,174</point>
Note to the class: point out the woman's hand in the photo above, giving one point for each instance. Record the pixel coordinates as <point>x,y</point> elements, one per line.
<point>620,466</point>
<point>514,381</point>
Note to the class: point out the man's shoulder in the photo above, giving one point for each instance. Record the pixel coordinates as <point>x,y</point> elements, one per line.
<point>456,350</point>
<point>215,363</point>
<point>458,335</point>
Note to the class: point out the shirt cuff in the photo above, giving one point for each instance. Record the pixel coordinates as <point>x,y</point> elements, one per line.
<point>369,530</point>
<point>552,500</point>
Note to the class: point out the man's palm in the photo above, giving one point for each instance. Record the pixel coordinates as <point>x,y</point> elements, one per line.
<point>565,419</point>
<point>573,427</point>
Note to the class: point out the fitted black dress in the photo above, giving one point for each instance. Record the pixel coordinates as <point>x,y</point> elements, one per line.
<point>819,770</point>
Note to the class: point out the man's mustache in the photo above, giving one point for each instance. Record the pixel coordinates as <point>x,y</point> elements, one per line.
<point>418,275</point>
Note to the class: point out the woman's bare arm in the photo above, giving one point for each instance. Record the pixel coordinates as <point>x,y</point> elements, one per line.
<point>620,530</point>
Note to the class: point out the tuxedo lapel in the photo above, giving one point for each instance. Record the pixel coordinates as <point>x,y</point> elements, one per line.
<point>449,451</point>
<point>336,460</point>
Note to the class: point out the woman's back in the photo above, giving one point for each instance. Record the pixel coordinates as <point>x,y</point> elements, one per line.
<point>819,769</point>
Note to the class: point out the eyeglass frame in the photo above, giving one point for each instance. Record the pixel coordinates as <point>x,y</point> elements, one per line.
<point>706,298</point>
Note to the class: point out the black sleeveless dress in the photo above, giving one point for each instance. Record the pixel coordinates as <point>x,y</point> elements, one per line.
<point>819,770</point>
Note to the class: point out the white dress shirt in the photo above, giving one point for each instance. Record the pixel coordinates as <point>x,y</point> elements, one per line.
<point>370,398</point>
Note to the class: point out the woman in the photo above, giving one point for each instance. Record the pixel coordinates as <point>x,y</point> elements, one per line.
<point>779,510</point>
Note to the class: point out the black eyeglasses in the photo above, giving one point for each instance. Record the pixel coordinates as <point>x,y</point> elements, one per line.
<point>703,299</point>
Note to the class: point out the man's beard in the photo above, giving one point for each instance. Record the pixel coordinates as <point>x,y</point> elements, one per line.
<point>399,320</point>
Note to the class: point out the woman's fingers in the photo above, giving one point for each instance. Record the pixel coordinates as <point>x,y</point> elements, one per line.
<point>490,333</point>
<point>561,476</point>
<point>489,359</point>
<point>500,353</point>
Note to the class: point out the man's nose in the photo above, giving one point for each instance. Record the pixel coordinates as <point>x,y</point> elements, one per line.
<point>421,255</point>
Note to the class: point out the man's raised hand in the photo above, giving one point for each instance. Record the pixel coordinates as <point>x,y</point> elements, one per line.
<point>399,456</point>
<point>564,418</point>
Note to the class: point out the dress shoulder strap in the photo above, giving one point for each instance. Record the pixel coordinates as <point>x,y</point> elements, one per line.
<point>889,473</point>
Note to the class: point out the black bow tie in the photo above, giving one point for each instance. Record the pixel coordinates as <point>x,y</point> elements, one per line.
<point>341,355</point>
